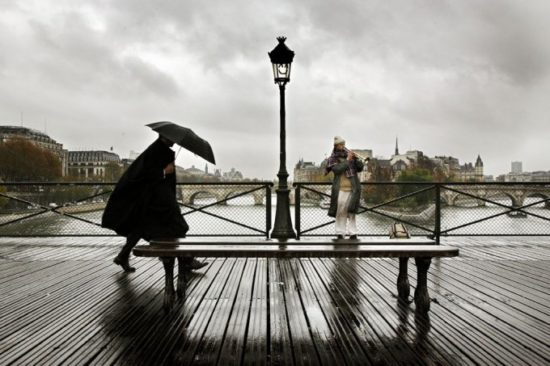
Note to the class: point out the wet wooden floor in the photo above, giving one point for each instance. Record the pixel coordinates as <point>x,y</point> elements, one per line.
<point>64,302</point>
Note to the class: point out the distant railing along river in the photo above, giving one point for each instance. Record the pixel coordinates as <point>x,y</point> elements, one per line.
<point>247,209</point>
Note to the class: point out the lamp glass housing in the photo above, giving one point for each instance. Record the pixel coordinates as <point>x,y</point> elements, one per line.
<point>281,73</point>
<point>281,59</point>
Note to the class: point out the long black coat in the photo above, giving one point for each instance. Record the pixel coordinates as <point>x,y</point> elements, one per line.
<point>144,201</point>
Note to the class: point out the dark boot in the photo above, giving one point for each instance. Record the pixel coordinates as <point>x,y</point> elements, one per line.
<point>195,264</point>
<point>191,264</point>
<point>124,263</point>
<point>122,259</point>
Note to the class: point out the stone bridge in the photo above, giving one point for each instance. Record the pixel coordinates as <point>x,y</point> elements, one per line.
<point>189,192</point>
<point>516,193</point>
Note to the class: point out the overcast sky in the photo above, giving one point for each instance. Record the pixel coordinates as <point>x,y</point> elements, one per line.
<point>458,78</point>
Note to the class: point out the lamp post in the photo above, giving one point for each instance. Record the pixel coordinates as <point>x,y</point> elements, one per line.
<point>281,58</point>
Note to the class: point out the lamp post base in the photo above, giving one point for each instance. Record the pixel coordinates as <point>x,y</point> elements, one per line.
<point>282,229</point>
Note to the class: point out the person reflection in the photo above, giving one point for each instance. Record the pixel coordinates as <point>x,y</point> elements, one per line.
<point>403,311</point>
<point>420,341</point>
<point>423,326</point>
<point>121,314</point>
<point>345,312</point>
<point>346,298</point>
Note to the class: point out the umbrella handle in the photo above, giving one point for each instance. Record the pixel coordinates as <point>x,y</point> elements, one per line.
<point>177,153</point>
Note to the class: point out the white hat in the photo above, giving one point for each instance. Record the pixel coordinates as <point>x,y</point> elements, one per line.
<point>339,140</point>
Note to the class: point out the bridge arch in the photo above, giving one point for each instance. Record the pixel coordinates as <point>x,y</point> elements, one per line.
<point>257,196</point>
<point>310,196</point>
<point>516,200</point>
<point>449,197</point>
<point>461,200</point>
<point>446,200</point>
<point>190,193</point>
<point>540,195</point>
<point>191,198</point>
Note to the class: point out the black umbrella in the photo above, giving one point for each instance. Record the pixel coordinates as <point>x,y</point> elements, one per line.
<point>184,137</point>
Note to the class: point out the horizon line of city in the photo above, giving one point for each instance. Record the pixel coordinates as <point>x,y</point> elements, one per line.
<point>397,163</point>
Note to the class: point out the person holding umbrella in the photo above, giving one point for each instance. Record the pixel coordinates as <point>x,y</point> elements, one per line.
<point>143,203</point>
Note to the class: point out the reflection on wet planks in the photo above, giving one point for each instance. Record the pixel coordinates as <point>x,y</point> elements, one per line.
<point>64,302</point>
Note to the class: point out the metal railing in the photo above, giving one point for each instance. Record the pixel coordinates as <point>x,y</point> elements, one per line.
<point>245,208</point>
<point>433,209</point>
<point>76,208</point>
<point>250,212</point>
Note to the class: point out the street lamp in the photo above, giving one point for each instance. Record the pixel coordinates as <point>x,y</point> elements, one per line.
<point>281,58</point>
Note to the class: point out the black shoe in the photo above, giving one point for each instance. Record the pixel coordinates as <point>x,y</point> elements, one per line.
<point>195,264</point>
<point>124,264</point>
<point>339,237</point>
<point>353,237</point>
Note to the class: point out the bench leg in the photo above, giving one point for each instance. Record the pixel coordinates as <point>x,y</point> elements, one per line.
<point>182,278</point>
<point>403,286</point>
<point>421,296</point>
<point>169,294</point>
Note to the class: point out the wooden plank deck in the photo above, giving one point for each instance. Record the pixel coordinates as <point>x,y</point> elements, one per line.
<point>62,301</point>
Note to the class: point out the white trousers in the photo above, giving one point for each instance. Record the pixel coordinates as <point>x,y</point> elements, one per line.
<point>345,221</point>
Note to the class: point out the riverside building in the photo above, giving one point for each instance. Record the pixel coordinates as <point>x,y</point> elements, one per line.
<point>91,164</point>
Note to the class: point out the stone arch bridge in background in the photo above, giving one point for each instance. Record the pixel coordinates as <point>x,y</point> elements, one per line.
<point>454,195</point>
<point>222,193</point>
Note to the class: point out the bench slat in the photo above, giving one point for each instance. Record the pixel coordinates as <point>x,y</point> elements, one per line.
<point>303,241</point>
<point>295,250</point>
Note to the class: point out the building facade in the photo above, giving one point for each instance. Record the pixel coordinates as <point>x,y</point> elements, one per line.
<point>452,168</point>
<point>381,169</point>
<point>540,176</point>
<point>447,164</point>
<point>470,172</point>
<point>233,175</point>
<point>307,171</point>
<point>537,176</point>
<point>517,167</point>
<point>91,164</point>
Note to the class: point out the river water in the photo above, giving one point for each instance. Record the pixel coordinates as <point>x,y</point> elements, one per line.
<point>241,217</point>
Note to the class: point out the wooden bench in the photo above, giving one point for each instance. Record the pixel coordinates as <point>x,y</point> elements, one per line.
<point>422,250</point>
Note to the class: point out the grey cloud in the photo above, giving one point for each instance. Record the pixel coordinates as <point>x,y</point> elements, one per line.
<point>148,77</point>
<point>74,55</point>
<point>505,35</point>
<point>452,77</point>
<point>217,33</point>
<point>515,42</point>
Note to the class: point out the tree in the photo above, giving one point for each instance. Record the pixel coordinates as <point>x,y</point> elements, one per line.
<point>21,160</point>
<point>423,162</point>
<point>439,175</point>
<point>415,176</point>
<point>375,194</point>
<point>113,172</point>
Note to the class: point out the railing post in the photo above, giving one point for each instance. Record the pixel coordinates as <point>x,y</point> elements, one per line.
<point>267,210</point>
<point>297,213</point>
<point>437,227</point>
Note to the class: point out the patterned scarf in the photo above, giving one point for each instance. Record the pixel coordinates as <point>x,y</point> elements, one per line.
<point>336,157</point>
